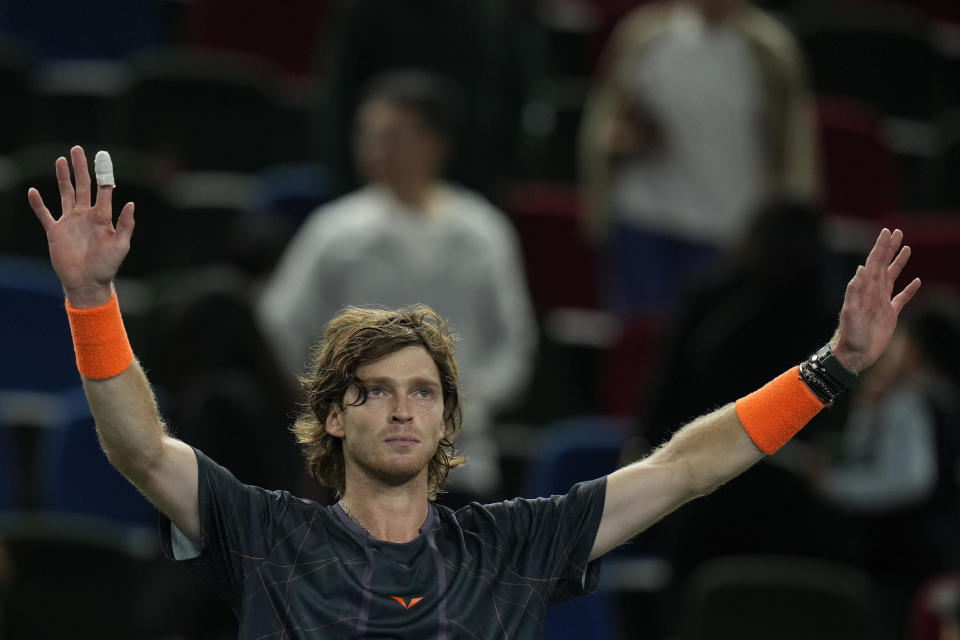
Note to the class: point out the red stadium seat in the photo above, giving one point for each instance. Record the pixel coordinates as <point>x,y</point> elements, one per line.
<point>935,241</point>
<point>860,173</point>
<point>286,35</point>
<point>627,364</point>
<point>561,266</point>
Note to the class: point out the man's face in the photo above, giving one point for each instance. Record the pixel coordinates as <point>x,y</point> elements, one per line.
<point>392,436</point>
<point>394,146</point>
<point>719,10</point>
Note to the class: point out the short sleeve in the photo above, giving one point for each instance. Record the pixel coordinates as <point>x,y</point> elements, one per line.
<point>551,538</point>
<point>237,523</point>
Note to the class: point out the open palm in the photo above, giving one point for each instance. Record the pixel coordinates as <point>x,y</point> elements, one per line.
<point>870,310</point>
<point>85,248</point>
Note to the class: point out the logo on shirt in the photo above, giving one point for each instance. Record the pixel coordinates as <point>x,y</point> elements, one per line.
<point>404,603</point>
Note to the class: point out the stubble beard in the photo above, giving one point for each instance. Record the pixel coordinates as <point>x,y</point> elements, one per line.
<point>393,472</point>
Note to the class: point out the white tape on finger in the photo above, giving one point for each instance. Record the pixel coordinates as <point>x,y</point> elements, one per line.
<point>103,167</point>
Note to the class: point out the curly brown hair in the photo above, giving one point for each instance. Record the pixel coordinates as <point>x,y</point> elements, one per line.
<point>358,336</point>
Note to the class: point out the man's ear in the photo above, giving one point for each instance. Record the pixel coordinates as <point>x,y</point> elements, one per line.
<point>334,423</point>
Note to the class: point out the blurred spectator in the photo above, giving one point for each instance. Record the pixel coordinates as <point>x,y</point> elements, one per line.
<point>935,609</point>
<point>769,290</point>
<point>475,44</point>
<point>898,470</point>
<point>897,474</point>
<point>700,111</point>
<point>409,237</point>
<point>223,389</point>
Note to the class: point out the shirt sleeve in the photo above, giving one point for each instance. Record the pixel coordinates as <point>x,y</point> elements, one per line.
<point>551,538</point>
<point>237,523</point>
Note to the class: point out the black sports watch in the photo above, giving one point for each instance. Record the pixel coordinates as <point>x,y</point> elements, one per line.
<point>826,361</point>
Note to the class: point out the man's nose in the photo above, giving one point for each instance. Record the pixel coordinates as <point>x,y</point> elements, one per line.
<point>401,410</point>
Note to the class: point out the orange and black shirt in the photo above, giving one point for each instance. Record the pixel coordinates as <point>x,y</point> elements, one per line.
<point>295,569</point>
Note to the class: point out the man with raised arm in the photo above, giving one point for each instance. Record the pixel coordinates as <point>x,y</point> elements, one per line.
<point>383,411</point>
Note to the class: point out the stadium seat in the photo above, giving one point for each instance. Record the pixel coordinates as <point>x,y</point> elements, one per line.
<point>573,450</point>
<point>34,334</point>
<point>860,172</point>
<point>16,65</point>
<point>627,365</point>
<point>935,242</point>
<point>79,480</point>
<point>72,578</point>
<point>109,29</point>
<point>942,10</point>
<point>286,36</point>
<point>788,598</point>
<point>948,160</point>
<point>561,267</point>
<point>873,53</point>
<point>198,110</point>
<point>570,451</point>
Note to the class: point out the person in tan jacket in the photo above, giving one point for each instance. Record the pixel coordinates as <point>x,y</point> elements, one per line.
<point>700,111</point>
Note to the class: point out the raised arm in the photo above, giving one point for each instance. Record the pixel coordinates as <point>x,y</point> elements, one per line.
<point>86,251</point>
<point>718,446</point>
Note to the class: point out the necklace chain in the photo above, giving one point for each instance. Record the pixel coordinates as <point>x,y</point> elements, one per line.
<point>354,518</point>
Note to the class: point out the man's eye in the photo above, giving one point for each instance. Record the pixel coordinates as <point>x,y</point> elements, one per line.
<point>424,393</point>
<point>375,392</point>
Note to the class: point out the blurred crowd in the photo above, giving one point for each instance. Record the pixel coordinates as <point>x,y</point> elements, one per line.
<point>630,212</point>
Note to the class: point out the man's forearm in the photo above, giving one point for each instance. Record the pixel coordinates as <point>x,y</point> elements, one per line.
<point>712,450</point>
<point>128,423</point>
<point>699,458</point>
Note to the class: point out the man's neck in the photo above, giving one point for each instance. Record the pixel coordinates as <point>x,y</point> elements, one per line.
<point>717,15</point>
<point>417,196</point>
<point>392,514</point>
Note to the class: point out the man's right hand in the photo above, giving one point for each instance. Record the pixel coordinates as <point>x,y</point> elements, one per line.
<point>85,248</point>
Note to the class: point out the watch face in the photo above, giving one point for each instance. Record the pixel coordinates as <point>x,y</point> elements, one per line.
<point>829,362</point>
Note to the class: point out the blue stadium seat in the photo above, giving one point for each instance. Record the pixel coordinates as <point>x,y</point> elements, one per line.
<point>571,451</point>
<point>34,333</point>
<point>79,480</point>
<point>52,26</point>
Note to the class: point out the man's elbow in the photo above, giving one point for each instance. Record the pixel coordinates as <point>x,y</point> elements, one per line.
<point>134,462</point>
<point>700,481</point>
<point>691,478</point>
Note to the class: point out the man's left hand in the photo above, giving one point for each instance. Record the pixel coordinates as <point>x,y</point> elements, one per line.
<point>870,311</point>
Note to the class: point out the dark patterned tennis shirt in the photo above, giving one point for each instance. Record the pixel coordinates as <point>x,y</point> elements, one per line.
<point>292,569</point>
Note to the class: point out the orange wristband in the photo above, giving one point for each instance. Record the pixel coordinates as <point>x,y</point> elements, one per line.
<point>99,340</point>
<point>775,412</point>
